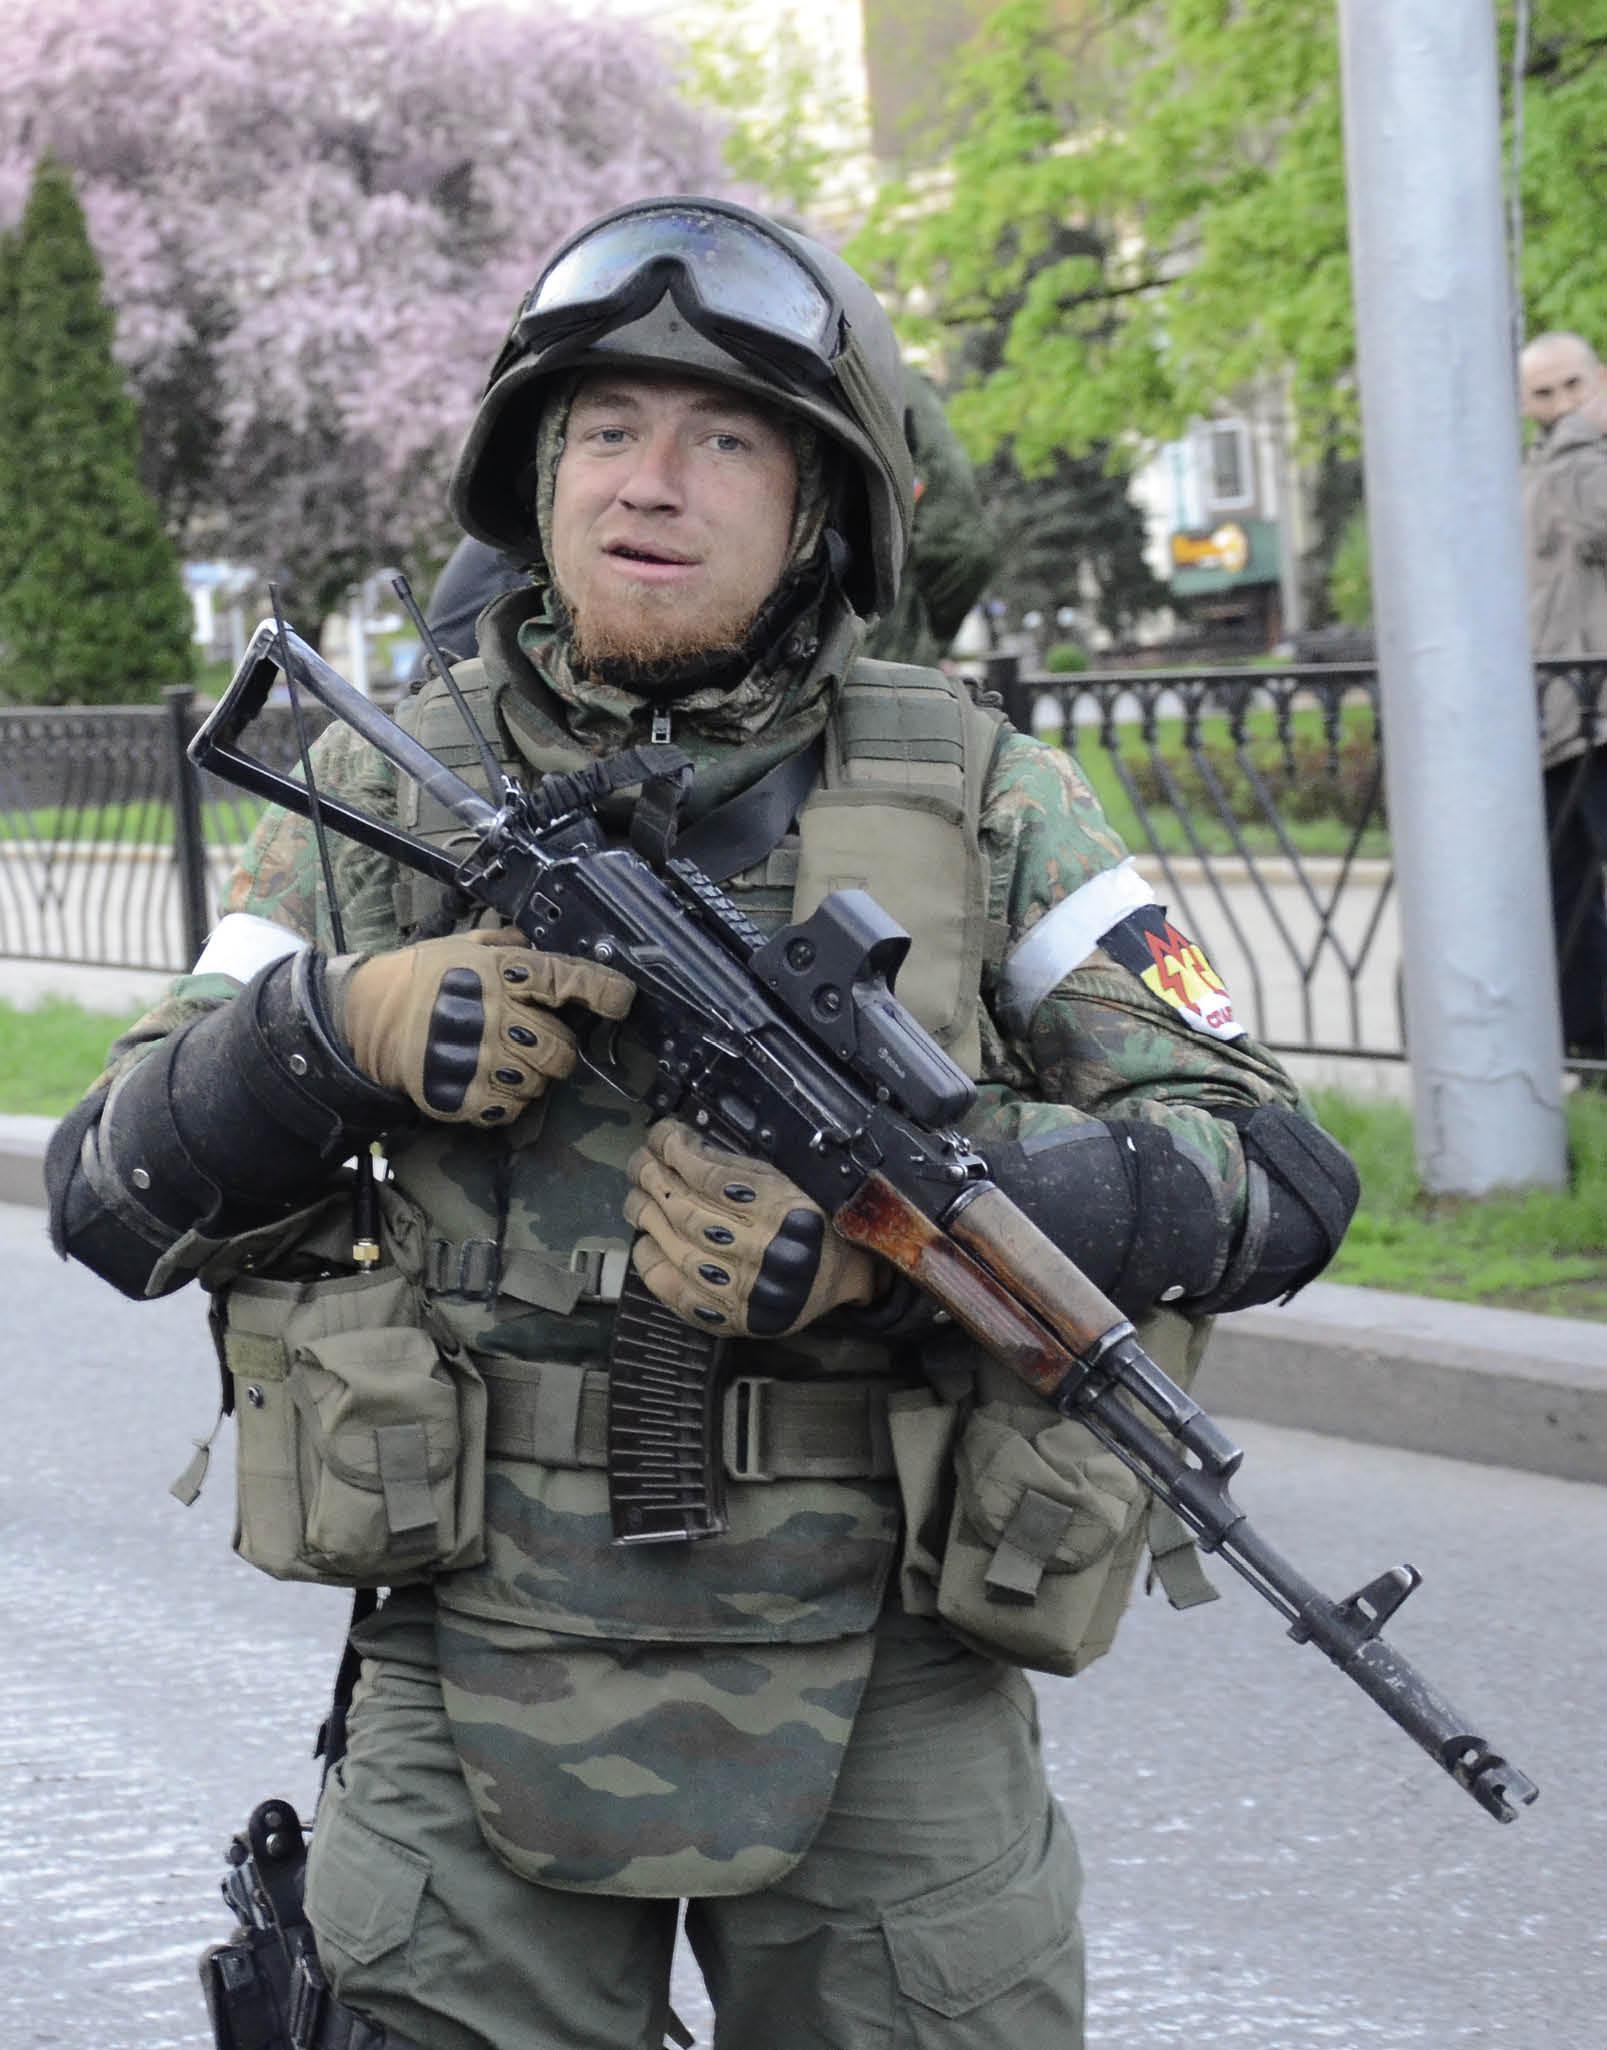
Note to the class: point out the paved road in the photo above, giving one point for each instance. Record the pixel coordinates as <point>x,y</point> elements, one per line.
<point>1271,1866</point>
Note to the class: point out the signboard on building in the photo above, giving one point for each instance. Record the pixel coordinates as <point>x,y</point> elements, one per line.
<point>1225,547</point>
<point>1216,558</point>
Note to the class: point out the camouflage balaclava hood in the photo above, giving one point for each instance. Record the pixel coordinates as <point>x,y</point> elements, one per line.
<point>851,392</point>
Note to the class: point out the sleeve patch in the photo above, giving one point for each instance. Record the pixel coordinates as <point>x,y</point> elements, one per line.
<point>1175,968</point>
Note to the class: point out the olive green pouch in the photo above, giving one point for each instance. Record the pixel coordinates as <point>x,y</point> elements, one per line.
<point>1041,1522</point>
<point>1022,1532</point>
<point>361,1432</point>
<point>923,1428</point>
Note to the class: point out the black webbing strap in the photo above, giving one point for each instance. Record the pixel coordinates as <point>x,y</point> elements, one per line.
<point>655,818</point>
<point>1298,1155</point>
<point>738,834</point>
<point>331,1744</point>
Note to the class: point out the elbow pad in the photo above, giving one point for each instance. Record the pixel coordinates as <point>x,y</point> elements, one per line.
<point>1303,1192</point>
<point>1136,1213</point>
<point>225,1125</point>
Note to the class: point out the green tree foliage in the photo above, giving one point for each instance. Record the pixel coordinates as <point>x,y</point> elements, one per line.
<point>971,255</point>
<point>1053,526</point>
<point>1350,583</point>
<point>977,252</point>
<point>780,103</point>
<point>1197,146</point>
<point>1564,158</point>
<point>92,610</point>
<point>11,500</point>
<point>1336,501</point>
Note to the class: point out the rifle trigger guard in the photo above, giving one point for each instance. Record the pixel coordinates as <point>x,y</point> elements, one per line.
<point>597,1053</point>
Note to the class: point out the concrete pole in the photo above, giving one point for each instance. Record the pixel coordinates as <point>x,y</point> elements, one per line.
<point>1439,414</point>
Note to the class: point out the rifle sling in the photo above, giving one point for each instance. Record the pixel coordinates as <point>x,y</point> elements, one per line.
<point>738,834</point>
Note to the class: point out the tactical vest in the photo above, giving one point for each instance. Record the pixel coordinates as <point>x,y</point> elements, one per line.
<point>895,812</point>
<point>575,1673</point>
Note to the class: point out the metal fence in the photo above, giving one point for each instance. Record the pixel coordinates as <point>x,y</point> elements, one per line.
<point>1253,799</point>
<point>114,852</point>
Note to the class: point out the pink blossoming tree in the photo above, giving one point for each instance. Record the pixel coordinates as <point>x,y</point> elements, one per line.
<point>316,219</point>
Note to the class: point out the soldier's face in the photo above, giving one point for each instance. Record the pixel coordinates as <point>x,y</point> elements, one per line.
<point>671,516</point>
<point>1558,377</point>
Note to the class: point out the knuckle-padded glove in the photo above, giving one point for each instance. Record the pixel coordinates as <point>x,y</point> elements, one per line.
<point>730,1243</point>
<point>467,1026</point>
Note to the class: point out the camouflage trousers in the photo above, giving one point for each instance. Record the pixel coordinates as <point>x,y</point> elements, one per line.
<point>935,1910</point>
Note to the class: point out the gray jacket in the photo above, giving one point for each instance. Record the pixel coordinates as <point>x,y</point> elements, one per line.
<point>1565,545</point>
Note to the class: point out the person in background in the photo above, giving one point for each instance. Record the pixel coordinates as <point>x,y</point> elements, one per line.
<point>1565,546</point>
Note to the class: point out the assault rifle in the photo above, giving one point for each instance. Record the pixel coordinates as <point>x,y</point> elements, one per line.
<point>794,1047</point>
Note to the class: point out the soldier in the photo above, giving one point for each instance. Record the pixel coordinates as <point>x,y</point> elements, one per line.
<point>815,1729</point>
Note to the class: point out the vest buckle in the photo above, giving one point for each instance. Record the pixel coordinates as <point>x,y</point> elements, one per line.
<point>743,1427</point>
<point>471,1270</point>
<point>602,1265</point>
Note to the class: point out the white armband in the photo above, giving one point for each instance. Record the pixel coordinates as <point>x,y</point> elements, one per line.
<point>1063,939</point>
<point>242,944</point>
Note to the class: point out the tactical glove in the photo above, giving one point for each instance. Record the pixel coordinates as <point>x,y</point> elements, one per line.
<point>729,1242</point>
<point>466,1026</point>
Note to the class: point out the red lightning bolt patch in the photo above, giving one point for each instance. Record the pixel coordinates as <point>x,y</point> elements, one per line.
<point>1175,968</point>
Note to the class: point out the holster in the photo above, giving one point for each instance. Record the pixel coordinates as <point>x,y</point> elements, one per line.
<point>264,1987</point>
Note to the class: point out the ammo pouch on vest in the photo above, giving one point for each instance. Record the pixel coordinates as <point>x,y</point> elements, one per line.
<point>361,1433</point>
<point>1023,1533</point>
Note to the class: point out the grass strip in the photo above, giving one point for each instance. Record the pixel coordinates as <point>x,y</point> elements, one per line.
<point>1536,1249</point>
<point>142,822</point>
<point>50,1054</point>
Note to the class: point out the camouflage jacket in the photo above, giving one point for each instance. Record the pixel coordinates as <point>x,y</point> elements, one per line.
<point>590,1688</point>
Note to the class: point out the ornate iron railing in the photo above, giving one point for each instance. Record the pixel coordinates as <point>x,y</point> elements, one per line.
<point>1253,798</point>
<point>114,853</point>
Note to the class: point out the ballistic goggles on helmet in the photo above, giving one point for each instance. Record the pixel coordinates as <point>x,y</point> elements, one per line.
<point>731,274</point>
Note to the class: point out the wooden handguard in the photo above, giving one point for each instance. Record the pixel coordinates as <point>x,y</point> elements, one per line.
<point>1039,1325</point>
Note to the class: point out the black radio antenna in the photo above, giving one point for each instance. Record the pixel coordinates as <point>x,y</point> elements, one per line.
<point>365,1198</point>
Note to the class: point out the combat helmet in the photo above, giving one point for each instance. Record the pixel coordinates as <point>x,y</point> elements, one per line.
<point>715,290</point>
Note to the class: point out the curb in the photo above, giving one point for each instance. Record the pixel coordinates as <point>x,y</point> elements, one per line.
<point>22,1158</point>
<point>1496,1387</point>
